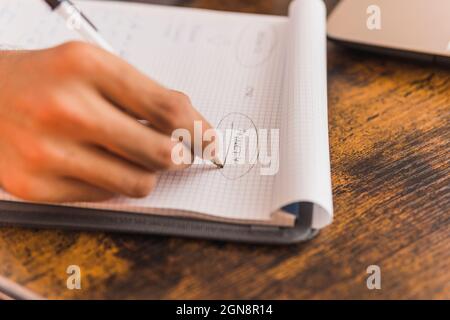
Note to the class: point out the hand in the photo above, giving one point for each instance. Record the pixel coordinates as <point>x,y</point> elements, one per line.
<point>69,129</point>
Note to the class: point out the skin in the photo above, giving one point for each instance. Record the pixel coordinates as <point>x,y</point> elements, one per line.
<point>69,129</point>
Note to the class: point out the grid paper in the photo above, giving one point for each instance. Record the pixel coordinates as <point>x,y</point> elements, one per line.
<point>227,63</point>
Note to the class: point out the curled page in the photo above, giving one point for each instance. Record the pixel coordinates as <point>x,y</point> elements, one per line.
<point>305,164</point>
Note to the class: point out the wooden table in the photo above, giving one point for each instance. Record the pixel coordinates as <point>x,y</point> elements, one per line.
<point>389,131</point>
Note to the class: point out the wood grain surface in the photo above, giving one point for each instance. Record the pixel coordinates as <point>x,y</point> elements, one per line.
<point>389,135</point>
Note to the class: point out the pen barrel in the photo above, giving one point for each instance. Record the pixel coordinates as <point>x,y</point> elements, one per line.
<point>77,22</point>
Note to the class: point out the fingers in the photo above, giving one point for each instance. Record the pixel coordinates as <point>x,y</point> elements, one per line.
<point>99,168</point>
<point>47,167</point>
<point>70,190</point>
<point>126,137</point>
<point>56,190</point>
<point>165,110</point>
<point>199,128</point>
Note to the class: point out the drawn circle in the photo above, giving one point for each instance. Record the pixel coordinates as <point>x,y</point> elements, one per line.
<point>240,145</point>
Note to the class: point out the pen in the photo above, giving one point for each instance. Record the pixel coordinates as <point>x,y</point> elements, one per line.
<point>77,21</point>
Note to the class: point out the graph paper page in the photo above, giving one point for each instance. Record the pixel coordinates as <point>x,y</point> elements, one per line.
<point>231,65</point>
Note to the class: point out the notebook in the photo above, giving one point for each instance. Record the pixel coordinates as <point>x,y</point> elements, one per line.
<point>244,73</point>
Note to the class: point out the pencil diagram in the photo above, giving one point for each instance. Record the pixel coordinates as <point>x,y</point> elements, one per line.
<point>240,145</point>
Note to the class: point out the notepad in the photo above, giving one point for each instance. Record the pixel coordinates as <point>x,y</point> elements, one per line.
<point>239,70</point>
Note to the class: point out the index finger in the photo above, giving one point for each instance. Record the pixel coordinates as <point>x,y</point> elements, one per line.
<point>203,137</point>
<point>166,110</point>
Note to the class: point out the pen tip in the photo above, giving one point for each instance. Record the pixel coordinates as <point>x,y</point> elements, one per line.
<point>217,163</point>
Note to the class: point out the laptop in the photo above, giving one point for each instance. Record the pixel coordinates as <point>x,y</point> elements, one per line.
<point>418,29</point>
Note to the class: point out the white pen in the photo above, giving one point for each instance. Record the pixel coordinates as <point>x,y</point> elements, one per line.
<point>78,22</point>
